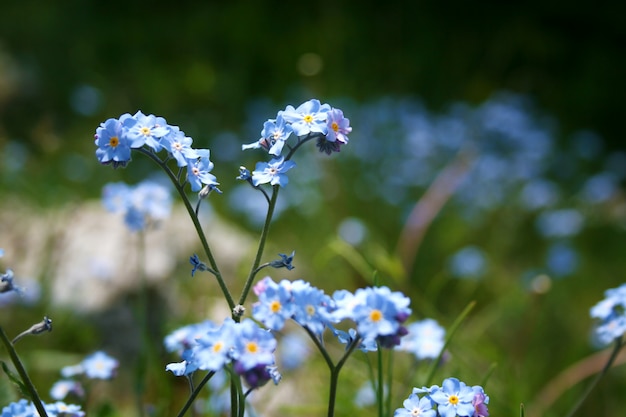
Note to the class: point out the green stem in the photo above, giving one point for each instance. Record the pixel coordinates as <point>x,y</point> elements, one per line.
<point>389,381</point>
<point>380,387</point>
<point>194,394</point>
<point>619,343</point>
<point>334,376</point>
<point>196,223</point>
<point>453,329</point>
<point>23,374</point>
<point>259,253</point>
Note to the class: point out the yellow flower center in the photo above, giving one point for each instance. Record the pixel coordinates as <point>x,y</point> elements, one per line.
<point>334,126</point>
<point>308,118</point>
<point>376,315</point>
<point>145,131</point>
<point>252,347</point>
<point>453,399</point>
<point>218,347</point>
<point>114,141</point>
<point>275,306</point>
<point>310,310</point>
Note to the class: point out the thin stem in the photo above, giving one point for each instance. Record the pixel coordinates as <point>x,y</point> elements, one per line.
<point>259,253</point>
<point>453,329</point>
<point>379,390</point>
<point>619,343</point>
<point>195,393</point>
<point>197,225</point>
<point>23,374</point>
<point>321,348</point>
<point>389,380</point>
<point>334,376</point>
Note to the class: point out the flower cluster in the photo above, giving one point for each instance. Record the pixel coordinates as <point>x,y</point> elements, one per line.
<point>208,347</point>
<point>453,398</point>
<point>611,313</point>
<point>97,365</point>
<point>309,120</point>
<point>115,138</point>
<point>23,408</point>
<point>141,205</point>
<point>377,312</point>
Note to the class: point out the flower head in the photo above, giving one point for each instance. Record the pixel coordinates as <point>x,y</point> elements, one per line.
<point>338,128</point>
<point>454,398</point>
<point>284,261</point>
<point>273,136</point>
<point>415,406</point>
<point>611,314</point>
<point>380,313</point>
<point>198,171</point>
<point>274,306</point>
<point>99,365</point>
<point>146,130</point>
<point>253,346</point>
<point>273,172</point>
<point>179,146</point>
<point>309,117</point>
<point>113,145</point>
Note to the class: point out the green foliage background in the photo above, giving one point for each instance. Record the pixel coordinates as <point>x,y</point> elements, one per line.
<point>201,64</point>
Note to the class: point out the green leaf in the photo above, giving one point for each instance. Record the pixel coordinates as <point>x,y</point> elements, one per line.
<point>16,380</point>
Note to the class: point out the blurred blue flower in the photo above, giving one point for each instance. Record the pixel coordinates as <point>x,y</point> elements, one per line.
<point>425,339</point>
<point>293,349</point>
<point>560,223</point>
<point>99,365</point>
<point>469,262</point>
<point>611,315</point>
<point>142,204</point>
<point>539,193</point>
<point>562,259</point>
<point>600,187</point>
<point>61,389</point>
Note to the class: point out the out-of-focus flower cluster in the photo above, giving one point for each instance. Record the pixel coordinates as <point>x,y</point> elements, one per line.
<point>453,398</point>
<point>378,312</point>
<point>24,408</point>
<point>611,315</point>
<point>141,205</point>
<point>98,365</point>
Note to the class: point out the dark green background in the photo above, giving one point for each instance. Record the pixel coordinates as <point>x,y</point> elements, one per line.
<point>199,64</point>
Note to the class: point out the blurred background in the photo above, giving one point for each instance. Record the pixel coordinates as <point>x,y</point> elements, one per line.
<point>487,162</point>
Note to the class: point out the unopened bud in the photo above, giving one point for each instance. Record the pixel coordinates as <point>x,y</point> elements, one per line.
<point>43,326</point>
<point>239,310</point>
